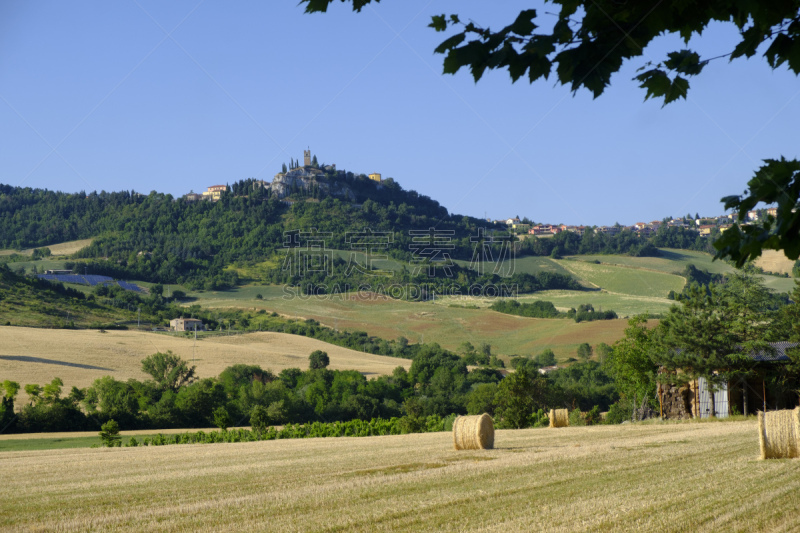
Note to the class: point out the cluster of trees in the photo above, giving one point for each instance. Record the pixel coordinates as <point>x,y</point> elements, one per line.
<point>420,283</point>
<point>542,309</point>
<point>587,313</point>
<point>537,309</point>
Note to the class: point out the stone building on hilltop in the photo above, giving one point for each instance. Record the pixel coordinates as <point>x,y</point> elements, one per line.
<point>310,180</point>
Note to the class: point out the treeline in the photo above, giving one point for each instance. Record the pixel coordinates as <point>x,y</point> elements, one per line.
<point>437,384</point>
<point>421,284</point>
<point>542,309</point>
<point>352,428</point>
<point>625,242</point>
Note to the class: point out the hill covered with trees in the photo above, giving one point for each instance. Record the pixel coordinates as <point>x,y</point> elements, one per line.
<point>207,245</point>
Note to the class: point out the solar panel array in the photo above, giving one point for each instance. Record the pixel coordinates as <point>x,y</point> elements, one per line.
<point>96,280</point>
<point>130,286</point>
<point>91,280</point>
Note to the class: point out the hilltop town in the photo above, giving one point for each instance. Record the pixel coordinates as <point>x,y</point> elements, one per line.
<point>312,180</point>
<point>705,226</point>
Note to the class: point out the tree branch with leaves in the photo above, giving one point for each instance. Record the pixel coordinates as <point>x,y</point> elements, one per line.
<point>588,42</point>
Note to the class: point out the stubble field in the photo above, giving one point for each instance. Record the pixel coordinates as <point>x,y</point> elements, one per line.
<point>638,477</point>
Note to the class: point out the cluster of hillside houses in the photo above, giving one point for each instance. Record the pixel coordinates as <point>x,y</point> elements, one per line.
<point>704,225</point>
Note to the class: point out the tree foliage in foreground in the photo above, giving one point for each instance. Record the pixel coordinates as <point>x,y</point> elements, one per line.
<point>590,41</point>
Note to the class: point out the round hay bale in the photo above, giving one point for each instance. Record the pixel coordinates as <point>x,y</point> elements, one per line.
<point>559,418</point>
<point>473,432</point>
<point>779,433</point>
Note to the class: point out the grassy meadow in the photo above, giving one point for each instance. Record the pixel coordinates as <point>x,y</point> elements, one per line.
<point>673,261</point>
<point>625,280</point>
<point>425,321</point>
<point>524,265</point>
<point>627,285</point>
<point>636,477</point>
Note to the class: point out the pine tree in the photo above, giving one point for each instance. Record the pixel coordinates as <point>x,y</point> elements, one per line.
<point>700,341</point>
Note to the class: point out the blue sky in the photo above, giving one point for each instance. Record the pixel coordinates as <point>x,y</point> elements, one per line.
<point>177,96</point>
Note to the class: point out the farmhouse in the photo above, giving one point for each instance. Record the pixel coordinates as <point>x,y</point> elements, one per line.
<point>706,229</point>
<point>186,324</point>
<point>214,192</point>
<point>545,229</point>
<point>757,391</point>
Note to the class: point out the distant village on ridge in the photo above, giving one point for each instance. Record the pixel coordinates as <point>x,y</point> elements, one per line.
<point>311,177</point>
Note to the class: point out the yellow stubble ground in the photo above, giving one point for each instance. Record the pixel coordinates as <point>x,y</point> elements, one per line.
<point>63,248</point>
<point>669,477</point>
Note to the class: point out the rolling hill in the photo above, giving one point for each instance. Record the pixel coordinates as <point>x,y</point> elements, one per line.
<point>32,355</point>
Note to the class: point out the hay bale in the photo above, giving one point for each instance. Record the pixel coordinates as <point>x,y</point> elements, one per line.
<point>473,432</point>
<point>559,418</point>
<point>779,434</point>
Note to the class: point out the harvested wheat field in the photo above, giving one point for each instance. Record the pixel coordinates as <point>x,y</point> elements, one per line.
<point>29,355</point>
<point>775,261</point>
<point>676,477</point>
<point>63,248</point>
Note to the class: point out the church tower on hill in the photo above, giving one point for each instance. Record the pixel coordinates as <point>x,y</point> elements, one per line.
<point>307,158</point>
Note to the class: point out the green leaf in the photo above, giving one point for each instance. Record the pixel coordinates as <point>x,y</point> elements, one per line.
<point>751,38</point>
<point>316,6</point>
<point>450,43</point>
<point>779,50</point>
<point>655,81</point>
<point>438,22</point>
<point>685,62</point>
<point>677,89</point>
<point>524,24</point>
<point>451,63</point>
<point>776,182</point>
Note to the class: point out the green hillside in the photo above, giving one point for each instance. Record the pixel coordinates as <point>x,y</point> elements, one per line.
<point>445,321</point>
<point>671,261</point>
<point>626,280</point>
<point>30,302</point>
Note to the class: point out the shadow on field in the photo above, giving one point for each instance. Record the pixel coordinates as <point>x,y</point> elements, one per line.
<point>27,359</point>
